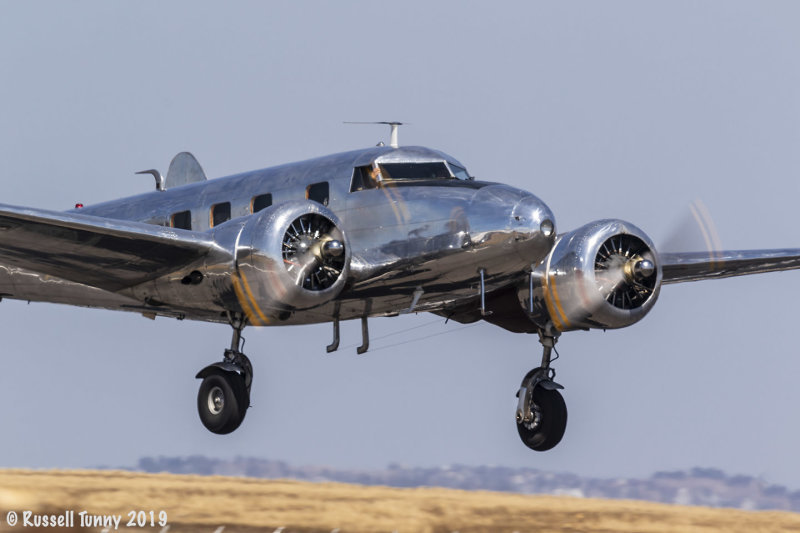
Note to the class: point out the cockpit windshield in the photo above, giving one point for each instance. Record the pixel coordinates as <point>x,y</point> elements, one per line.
<point>459,172</point>
<point>408,173</point>
<point>415,171</point>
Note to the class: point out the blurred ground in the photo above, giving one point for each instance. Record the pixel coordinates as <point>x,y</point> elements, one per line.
<point>198,504</point>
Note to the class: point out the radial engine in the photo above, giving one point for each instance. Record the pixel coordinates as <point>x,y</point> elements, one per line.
<point>292,256</point>
<point>603,275</point>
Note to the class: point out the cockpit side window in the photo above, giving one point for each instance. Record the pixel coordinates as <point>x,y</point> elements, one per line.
<point>415,171</point>
<point>363,178</point>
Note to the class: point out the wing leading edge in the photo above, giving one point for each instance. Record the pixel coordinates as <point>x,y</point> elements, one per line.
<point>105,253</point>
<point>695,266</point>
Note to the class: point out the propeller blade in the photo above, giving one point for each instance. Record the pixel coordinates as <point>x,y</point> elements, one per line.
<point>694,231</point>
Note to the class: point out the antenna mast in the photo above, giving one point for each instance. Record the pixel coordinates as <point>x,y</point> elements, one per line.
<point>393,142</point>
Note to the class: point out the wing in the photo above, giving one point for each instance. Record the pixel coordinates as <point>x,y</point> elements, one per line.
<point>101,252</point>
<point>695,266</point>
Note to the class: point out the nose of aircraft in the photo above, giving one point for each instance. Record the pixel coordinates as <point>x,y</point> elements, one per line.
<point>534,227</point>
<point>509,230</point>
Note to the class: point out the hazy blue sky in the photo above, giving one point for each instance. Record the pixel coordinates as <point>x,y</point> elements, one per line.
<point>603,109</point>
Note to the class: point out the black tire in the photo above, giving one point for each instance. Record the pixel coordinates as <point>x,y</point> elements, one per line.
<point>551,424</point>
<point>226,413</point>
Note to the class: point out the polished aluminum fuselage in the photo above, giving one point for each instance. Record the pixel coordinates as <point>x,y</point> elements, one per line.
<point>413,246</point>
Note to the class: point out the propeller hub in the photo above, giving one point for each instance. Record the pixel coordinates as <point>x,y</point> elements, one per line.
<point>626,271</point>
<point>637,268</point>
<point>333,248</point>
<point>644,268</point>
<point>311,252</point>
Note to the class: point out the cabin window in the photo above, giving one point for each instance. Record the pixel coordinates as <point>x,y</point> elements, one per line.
<point>220,213</point>
<point>262,201</point>
<point>319,192</point>
<point>415,171</point>
<point>363,178</point>
<point>181,220</point>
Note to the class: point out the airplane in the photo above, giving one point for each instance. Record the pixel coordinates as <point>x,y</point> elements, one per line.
<point>375,232</point>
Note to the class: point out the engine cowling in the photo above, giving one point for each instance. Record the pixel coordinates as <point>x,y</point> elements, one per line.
<point>604,275</point>
<point>290,256</point>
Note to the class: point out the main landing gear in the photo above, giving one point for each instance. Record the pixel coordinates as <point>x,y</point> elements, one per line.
<point>541,411</point>
<point>224,394</point>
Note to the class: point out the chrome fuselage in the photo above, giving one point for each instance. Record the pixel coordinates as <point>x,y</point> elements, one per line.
<point>414,245</point>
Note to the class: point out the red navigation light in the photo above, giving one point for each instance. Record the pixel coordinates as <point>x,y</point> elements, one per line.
<point>78,205</point>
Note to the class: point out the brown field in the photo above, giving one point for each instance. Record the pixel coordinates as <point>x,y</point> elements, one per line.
<point>203,504</point>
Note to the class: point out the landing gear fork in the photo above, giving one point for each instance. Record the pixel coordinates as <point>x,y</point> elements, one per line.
<point>234,354</point>
<point>541,412</point>
<point>224,395</point>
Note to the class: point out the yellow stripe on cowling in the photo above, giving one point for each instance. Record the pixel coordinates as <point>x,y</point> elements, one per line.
<point>248,311</point>
<point>550,307</point>
<point>253,300</point>
<point>558,302</point>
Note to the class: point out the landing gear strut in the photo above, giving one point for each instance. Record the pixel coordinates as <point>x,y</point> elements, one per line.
<point>541,411</point>
<point>224,394</point>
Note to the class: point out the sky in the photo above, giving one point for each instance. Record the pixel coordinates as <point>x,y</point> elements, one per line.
<point>628,110</point>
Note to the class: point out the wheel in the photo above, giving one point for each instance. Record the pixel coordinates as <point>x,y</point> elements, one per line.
<point>549,420</point>
<point>222,401</point>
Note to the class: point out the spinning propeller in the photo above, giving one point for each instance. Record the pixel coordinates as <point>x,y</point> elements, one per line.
<point>625,266</point>
<point>313,252</point>
<point>625,269</point>
<point>695,231</point>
